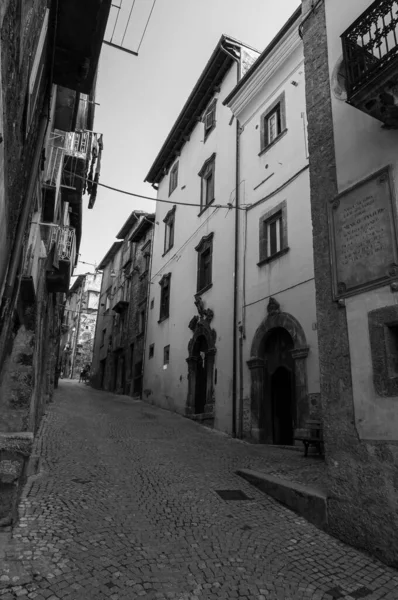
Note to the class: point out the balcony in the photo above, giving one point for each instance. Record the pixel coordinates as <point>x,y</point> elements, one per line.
<point>370,50</point>
<point>80,32</point>
<point>61,260</point>
<point>121,300</point>
<point>52,175</point>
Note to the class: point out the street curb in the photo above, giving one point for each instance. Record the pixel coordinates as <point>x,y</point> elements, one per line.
<point>309,502</point>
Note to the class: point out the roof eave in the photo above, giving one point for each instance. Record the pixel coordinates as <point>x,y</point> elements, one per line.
<point>195,104</point>
<point>271,46</point>
<point>109,255</point>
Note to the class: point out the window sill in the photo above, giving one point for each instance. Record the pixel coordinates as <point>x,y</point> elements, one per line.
<point>163,319</point>
<point>273,257</point>
<point>167,251</point>
<point>202,210</point>
<point>203,290</point>
<point>276,140</point>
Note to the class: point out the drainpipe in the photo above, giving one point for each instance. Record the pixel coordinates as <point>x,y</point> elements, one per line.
<point>236,261</point>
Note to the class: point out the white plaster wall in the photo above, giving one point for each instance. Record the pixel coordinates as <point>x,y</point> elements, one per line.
<point>290,278</point>
<point>362,147</point>
<point>169,387</point>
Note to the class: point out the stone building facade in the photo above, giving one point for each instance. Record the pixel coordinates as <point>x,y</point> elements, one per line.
<point>351,78</point>
<point>78,326</point>
<point>119,346</point>
<point>46,101</point>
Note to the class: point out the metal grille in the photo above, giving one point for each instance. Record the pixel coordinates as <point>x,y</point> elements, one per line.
<point>370,44</point>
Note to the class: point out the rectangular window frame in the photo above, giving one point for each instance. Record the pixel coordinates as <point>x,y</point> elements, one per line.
<point>173,178</point>
<point>204,248</point>
<point>151,352</point>
<point>276,112</point>
<point>278,214</point>
<point>166,355</point>
<point>165,288</point>
<point>169,230</point>
<point>207,191</point>
<point>209,119</point>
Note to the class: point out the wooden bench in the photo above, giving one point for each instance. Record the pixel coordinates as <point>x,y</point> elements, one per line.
<point>311,435</point>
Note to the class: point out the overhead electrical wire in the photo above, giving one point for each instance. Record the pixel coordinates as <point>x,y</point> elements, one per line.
<point>146,26</point>
<point>114,189</point>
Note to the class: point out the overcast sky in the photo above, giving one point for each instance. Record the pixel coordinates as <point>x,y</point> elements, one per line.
<point>140,97</point>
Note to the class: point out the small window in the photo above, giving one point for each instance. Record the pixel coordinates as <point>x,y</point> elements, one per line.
<point>273,233</point>
<point>209,118</point>
<point>273,122</point>
<point>205,258</point>
<point>207,175</point>
<point>173,180</point>
<point>169,222</point>
<point>151,350</point>
<point>103,334</point>
<point>152,303</point>
<point>164,297</point>
<point>166,355</point>
<point>141,321</point>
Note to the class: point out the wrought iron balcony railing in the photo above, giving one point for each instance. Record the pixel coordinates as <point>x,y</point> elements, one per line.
<point>370,43</point>
<point>65,239</point>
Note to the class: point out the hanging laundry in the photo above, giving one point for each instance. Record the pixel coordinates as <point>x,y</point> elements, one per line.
<point>97,173</point>
<point>93,161</point>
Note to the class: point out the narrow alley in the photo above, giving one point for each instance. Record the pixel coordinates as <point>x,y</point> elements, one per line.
<point>124,504</point>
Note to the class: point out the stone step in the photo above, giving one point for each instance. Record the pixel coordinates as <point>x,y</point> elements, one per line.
<point>305,500</point>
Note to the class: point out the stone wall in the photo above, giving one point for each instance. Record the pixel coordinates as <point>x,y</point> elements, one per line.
<point>363,482</point>
<point>28,333</point>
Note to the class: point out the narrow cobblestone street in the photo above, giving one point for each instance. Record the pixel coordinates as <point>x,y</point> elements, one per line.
<point>124,505</point>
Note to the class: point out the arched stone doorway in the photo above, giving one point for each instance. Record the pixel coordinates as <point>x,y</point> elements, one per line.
<point>201,357</point>
<point>279,398</point>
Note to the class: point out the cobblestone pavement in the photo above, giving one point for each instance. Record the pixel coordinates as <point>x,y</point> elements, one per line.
<point>125,506</point>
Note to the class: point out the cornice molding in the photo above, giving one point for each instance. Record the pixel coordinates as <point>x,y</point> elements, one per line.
<point>270,66</point>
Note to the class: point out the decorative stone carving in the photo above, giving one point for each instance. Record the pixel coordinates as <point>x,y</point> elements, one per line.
<point>204,313</point>
<point>273,306</point>
<point>193,322</point>
<point>300,352</point>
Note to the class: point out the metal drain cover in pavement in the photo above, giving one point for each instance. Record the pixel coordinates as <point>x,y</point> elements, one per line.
<point>82,481</point>
<point>232,495</point>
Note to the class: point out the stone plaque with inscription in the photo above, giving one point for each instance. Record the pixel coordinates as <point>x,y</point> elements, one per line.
<point>364,236</point>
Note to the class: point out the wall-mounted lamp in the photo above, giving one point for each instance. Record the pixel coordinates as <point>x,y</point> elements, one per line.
<point>113,273</point>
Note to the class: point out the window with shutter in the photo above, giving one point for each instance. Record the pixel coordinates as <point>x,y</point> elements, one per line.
<point>273,122</point>
<point>164,297</point>
<point>169,222</point>
<point>207,175</point>
<point>205,258</point>
<point>173,180</point>
<point>273,233</point>
<point>209,118</point>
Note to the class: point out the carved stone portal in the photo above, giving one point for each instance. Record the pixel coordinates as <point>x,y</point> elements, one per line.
<point>201,358</point>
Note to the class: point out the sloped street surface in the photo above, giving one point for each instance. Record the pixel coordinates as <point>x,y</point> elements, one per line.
<point>125,505</point>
